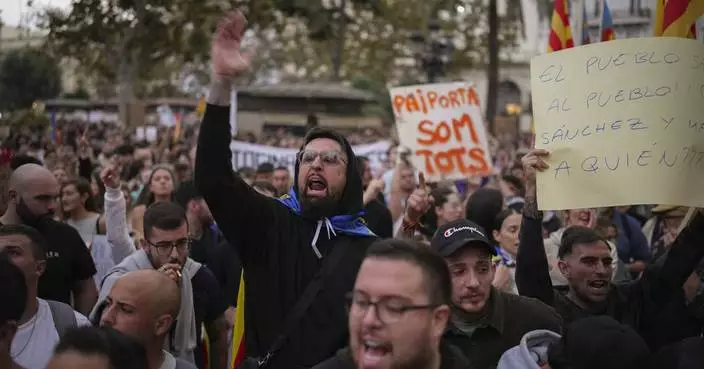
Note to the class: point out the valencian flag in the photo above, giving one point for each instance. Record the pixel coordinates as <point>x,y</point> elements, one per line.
<point>560,31</point>
<point>678,18</point>
<point>238,330</point>
<point>607,24</point>
<point>585,28</point>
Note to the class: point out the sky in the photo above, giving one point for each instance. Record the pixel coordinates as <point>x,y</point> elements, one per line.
<point>12,10</point>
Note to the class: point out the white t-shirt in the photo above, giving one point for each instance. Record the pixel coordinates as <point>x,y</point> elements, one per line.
<point>33,345</point>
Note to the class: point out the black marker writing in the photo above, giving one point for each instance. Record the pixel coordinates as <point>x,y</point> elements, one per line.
<point>552,73</point>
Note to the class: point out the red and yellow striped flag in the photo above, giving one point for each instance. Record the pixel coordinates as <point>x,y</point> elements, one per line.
<point>677,18</point>
<point>238,329</point>
<point>560,31</point>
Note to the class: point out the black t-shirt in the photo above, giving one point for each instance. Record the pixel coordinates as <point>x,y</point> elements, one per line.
<point>208,305</point>
<point>67,261</point>
<point>379,219</point>
<point>213,251</point>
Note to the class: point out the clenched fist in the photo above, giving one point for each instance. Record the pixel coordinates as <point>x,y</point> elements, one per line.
<point>110,178</point>
<point>419,202</point>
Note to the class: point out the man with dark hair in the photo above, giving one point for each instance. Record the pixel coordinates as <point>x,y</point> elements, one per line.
<point>208,246</point>
<point>13,294</point>
<point>123,156</point>
<point>265,172</point>
<point>377,215</point>
<point>20,160</point>
<point>485,321</point>
<point>300,252</point>
<point>281,181</point>
<point>165,249</point>
<point>33,192</point>
<point>98,348</point>
<point>586,262</point>
<point>409,288</point>
<point>265,188</point>
<point>246,173</point>
<point>43,322</point>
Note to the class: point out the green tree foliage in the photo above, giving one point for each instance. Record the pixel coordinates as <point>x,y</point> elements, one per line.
<point>376,42</point>
<point>27,75</point>
<point>129,41</point>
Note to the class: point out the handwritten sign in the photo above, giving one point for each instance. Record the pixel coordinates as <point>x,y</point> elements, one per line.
<point>624,122</point>
<point>442,125</point>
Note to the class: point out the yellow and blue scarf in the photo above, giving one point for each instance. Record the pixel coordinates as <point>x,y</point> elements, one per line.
<point>352,225</point>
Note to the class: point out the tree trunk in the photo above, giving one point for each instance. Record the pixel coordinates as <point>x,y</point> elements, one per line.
<point>493,65</point>
<point>339,45</point>
<point>125,90</point>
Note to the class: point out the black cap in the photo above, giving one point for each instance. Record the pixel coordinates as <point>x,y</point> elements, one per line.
<point>452,236</point>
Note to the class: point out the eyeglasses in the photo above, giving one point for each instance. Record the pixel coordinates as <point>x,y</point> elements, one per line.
<point>388,311</point>
<point>165,248</point>
<point>328,157</point>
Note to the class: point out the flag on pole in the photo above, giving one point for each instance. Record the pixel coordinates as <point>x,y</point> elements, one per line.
<point>560,31</point>
<point>607,24</point>
<point>238,330</point>
<point>200,108</point>
<point>586,40</point>
<point>178,129</point>
<point>677,18</point>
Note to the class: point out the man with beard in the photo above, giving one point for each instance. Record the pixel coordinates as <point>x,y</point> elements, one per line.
<point>33,191</point>
<point>165,249</point>
<point>485,321</point>
<point>301,252</point>
<point>586,261</point>
<point>398,311</point>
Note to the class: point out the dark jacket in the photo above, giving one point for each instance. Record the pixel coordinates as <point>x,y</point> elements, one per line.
<point>379,219</point>
<point>636,303</point>
<point>274,244</point>
<point>509,317</point>
<point>213,250</point>
<point>451,358</point>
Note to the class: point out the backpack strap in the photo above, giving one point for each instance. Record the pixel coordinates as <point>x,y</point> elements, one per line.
<point>330,262</point>
<point>63,315</point>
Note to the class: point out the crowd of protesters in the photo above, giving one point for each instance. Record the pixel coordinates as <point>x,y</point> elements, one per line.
<point>123,254</point>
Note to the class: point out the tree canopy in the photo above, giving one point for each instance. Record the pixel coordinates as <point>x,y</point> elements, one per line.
<point>27,75</point>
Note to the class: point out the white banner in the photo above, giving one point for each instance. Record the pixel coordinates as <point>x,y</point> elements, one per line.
<point>252,155</point>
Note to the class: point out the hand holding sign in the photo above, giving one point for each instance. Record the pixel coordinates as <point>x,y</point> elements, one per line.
<point>419,202</point>
<point>534,162</point>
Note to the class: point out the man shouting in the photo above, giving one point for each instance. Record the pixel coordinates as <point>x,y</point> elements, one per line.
<point>300,253</point>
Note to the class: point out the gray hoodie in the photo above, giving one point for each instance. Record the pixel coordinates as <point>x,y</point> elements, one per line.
<point>531,353</point>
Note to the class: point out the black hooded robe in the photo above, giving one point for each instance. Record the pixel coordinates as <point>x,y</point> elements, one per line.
<point>274,245</point>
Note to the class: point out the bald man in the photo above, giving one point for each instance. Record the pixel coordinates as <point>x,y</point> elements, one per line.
<point>144,304</point>
<point>32,195</point>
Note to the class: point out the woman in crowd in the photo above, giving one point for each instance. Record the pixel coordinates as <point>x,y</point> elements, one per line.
<point>448,208</point>
<point>79,210</point>
<point>506,231</point>
<point>160,187</point>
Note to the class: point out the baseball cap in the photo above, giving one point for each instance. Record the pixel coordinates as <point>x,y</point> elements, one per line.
<point>452,236</point>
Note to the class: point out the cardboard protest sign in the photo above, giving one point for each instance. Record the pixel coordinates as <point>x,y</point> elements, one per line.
<point>624,123</point>
<point>442,125</point>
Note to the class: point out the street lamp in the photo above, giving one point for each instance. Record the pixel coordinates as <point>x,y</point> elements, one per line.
<point>434,51</point>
